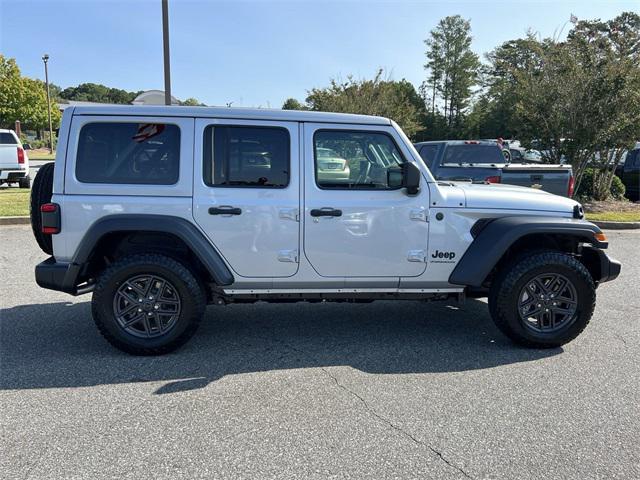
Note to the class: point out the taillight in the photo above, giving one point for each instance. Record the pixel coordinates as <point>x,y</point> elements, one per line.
<point>48,207</point>
<point>572,184</point>
<point>50,216</point>
<point>20,155</point>
<point>493,179</point>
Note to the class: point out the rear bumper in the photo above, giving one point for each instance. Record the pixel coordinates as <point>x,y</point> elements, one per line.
<point>12,175</point>
<point>59,276</point>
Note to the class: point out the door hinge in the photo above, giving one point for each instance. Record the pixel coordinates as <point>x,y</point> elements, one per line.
<point>419,214</point>
<point>417,256</point>
<point>290,256</point>
<point>290,214</point>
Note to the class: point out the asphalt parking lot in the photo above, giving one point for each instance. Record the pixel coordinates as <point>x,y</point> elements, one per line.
<point>383,390</point>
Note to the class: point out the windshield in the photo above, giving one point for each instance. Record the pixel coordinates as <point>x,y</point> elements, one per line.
<point>472,153</point>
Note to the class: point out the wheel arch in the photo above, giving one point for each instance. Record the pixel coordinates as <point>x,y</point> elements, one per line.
<point>116,235</point>
<point>499,240</point>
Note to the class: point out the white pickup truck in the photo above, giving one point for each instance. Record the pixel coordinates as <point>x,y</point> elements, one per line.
<point>14,163</point>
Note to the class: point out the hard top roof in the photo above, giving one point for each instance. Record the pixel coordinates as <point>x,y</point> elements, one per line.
<point>231,113</point>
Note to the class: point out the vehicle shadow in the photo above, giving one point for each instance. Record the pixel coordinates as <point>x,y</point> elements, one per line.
<point>57,345</point>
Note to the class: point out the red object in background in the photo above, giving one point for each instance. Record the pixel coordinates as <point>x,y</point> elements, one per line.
<point>20,155</point>
<point>493,179</point>
<point>572,184</point>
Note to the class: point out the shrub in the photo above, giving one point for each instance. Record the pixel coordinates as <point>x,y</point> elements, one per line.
<point>585,190</point>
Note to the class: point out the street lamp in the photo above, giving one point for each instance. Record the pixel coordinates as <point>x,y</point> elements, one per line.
<point>45,59</point>
<point>165,45</point>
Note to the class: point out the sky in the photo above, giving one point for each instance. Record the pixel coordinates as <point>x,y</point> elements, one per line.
<point>259,53</point>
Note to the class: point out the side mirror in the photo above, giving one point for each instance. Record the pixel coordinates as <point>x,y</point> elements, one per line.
<point>406,176</point>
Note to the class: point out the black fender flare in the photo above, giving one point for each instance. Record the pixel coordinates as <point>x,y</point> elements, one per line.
<point>181,228</point>
<point>496,236</point>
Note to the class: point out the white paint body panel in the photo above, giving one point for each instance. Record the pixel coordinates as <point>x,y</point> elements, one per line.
<point>253,243</point>
<point>366,249</point>
<point>375,233</point>
<point>488,196</point>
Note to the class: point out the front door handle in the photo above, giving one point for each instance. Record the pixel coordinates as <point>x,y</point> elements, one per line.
<point>225,210</point>
<point>326,212</point>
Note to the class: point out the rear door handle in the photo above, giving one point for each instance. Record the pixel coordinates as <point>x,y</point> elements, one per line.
<point>326,212</point>
<point>225,210</point>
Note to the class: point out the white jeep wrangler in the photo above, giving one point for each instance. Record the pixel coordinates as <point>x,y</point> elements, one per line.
<point>160,211</point>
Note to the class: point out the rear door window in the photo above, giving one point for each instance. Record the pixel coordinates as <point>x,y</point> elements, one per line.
<point>128,153</point>
<point>246,156</point>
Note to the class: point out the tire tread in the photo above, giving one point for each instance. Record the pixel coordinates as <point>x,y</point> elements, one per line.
<point>197,300</point>
<point>504,284</point>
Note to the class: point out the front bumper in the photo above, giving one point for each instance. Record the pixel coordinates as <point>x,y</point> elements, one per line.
<point>59,276</point>
<point>608,268</point>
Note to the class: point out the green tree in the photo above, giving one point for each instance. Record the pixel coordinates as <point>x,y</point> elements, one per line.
<point>496,108</point>
<point>23,99</point>
<point>95,92</point>
<point>397,100</point>
<point>580,99</point>
<point>293,104</point>
<point>192,102</point>
<point>453,69</point>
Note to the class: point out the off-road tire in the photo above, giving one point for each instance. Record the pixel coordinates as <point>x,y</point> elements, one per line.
<point>506,288</point>
<point>189,290</point>
<point>24,182</point>
<point>41,193</point>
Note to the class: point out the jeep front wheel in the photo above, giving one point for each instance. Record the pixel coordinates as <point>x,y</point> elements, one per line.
<point>543,299</point>
<point>147,304</point>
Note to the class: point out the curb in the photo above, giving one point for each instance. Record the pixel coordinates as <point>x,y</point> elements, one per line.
<point>617,225</point>
<point>15,220</point>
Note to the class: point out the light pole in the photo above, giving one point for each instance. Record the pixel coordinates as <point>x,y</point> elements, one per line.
<point>165,45</point>
<point>45,59</point>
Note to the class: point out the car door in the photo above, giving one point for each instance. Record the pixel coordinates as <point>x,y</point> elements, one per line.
<point>355,225</point>
<point>246,194</point>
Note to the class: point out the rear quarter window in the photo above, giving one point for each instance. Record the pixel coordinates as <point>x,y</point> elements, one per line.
<point>128,153</point>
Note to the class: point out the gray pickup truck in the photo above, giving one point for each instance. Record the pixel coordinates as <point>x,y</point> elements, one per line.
<point>482,161</point>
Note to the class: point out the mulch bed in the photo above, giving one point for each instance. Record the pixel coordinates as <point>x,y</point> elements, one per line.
<point>611,206</point>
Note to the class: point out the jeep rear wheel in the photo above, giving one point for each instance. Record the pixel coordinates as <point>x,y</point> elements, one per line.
<point>543,299</point>
<point>147,304</point>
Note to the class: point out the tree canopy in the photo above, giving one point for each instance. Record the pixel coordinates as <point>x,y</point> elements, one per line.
<point>397,100</point>
<point>453,69</point>
<point>95,92</point>
<point>23,99</point>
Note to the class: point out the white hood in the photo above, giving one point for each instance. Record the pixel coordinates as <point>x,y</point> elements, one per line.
<point>511,197</point>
